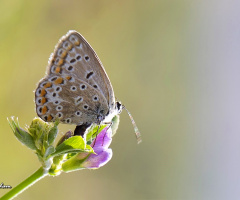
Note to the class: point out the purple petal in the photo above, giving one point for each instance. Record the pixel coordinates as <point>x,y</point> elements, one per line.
<point>96,161</point>
<point>102,141</point>
<point>100,146</point>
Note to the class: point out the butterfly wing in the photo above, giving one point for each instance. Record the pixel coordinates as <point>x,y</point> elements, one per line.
<point>75,57</point>
<point>71,101</point>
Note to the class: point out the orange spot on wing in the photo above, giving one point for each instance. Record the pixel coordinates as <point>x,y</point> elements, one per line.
<point>44,100</point>
<point>68,77</point>
<point>43,92</point>
<point>68,47</point>
<point>59,80</point>
<point>59,61</point>
<point>44,109</point>
<point>58,69</point>
<point>77,42</point>
<point>64,54</point>
<point>47,85</point>
<point>49,118</point>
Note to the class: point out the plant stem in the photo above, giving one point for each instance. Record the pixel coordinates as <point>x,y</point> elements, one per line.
<point>39,174</point>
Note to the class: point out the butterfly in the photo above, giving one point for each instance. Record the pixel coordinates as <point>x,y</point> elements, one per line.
<point>76,88</point>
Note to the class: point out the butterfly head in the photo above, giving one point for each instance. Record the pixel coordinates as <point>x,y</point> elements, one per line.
<point>119,107</point>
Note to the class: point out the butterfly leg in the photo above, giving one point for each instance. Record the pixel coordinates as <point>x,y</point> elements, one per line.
<point>96,136</point>
<point>80,130</point>
<point>65,137</point>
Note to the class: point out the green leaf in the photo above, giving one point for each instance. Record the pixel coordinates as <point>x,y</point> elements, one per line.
<point>115,123</point>
<point>74,163</point>
<point>93,131</point>
<point>53,133</point>
<point>23,136</point>
<point>49,151</point>
<point>73,144</point>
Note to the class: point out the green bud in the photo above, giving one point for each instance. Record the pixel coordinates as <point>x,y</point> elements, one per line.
<point>43,133</point>
<point>115,123</point>
<point>53,133</point>
<point>93,131</point>
<point>23,136</point>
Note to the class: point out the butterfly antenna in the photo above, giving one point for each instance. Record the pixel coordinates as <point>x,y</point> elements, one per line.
<point>137,132</point>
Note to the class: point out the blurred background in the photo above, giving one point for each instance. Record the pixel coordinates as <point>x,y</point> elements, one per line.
<point>174,64</point>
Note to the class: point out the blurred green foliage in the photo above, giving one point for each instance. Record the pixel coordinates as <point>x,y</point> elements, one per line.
<point>141,45</point>
<point>156,54</point>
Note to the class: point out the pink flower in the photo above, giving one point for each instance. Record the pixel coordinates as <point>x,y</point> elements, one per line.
<point>87,160</point>
<point>100,146</point>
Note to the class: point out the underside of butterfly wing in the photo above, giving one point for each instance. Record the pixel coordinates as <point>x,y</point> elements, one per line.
<point>73,55</point>
<point>69,100</point>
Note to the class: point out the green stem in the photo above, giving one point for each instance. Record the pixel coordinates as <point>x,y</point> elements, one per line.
<point>39,174</point>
